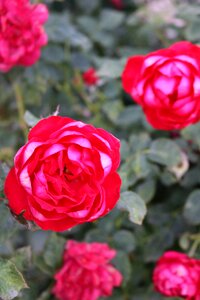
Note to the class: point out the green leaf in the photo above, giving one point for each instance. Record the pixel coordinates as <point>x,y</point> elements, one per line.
<point>135,206</point>
<point>59,29</point>
<point>124,150</point>
<point>191,133</point>
<point>111,19</point>
<point>3,173</point>
<point>191,178</point>
<point>96,235</point>
<point>124,240</point>
<point>192,30</point>
<point>140,166</point>
<point>112,114</point>
<point>8,225</point>
<point>22,258</point>
<point>53,54</point>
<point>157,243</point>
<point>30,119</point>
<point>45,295</point>
<point>53,252</point>
<point>165,152</point>
<point>122,263</point>
<point>192,208</point>
<point>147,189</point>
<point>130,116</point>
<point>88,5</point>
<point>167,178</point>
<point>139,142</point>
<point>11,280</point>
<point>111,68</point>
<point>184,241</point>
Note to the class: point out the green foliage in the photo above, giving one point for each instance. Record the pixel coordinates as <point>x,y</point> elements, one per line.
<point>165,152</point>
<point>134,205</point>
<point>158,209</point>
<point>11,280</point>
<point>192,208</point>
<point>53,251</point>
<point>8,225</point>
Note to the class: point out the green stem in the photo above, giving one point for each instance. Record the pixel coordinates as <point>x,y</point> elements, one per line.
<point>194,247</point>
<point>20,108</point>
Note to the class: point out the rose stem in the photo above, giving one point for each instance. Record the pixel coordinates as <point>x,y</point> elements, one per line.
<point>20,108</point>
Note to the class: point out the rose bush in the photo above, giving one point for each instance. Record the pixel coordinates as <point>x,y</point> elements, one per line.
<point>21,33</point>
<point>166,83</point>
<point>159,170</point>
<point>86,272</point>
<point>178,275</point>
<point>65,174</point>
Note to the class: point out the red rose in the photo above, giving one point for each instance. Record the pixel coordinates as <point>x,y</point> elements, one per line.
<point>90,77</point>
<point>86,273</point>
<point>65,174</point>
<point>177,275</point>
<point>21,32</point>
<point>166,83</point>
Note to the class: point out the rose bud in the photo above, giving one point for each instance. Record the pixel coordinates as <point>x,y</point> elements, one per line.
<point>90,77</point>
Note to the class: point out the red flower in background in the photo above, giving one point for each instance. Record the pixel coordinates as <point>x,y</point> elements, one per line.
<point>177,275</point>
<point>65,174</point>
<point>117,3</point>
<point>90,77</point>
<point>21,32</point>
<point>86,273</point>
<point>166,83</point>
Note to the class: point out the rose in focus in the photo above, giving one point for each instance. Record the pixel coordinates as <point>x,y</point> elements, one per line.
<point>166,83</point>
<point>90,77</point>
<point>177,275</point>
<point>65,174</point>
<point>21,33</point>
<point>86,272</point>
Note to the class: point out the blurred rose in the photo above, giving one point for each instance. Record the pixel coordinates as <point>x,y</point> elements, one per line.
<point>65,174</point>
<point>90,77</point>
<point>177,275</point>
<point>86,273</point>
<point>21,33</point>
<point>117,3</point>
<point>166,83</point>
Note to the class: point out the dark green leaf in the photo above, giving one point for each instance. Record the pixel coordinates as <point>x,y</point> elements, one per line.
<point>53,252</point>
<point>122,263</point>
<point>165,152</point>
<point>124,240</point>
<point>8,225</point>
<point>22,258</point>
<point>192,208</point>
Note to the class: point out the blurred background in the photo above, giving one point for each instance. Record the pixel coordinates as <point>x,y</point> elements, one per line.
<point>99,34</point>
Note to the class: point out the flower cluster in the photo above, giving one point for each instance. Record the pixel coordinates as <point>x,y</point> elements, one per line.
<point>65,174</point>
<point>177,275</point>
<point>86,272</point>
<point>166,83</point>
<point>21,33</point>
